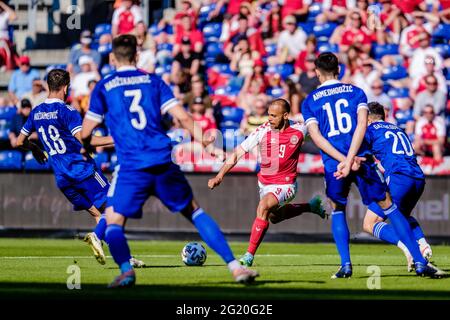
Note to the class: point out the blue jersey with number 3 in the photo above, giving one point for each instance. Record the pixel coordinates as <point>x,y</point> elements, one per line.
<point>132,102</point>
<point>391,146</point>
<point>334,107</point>
<point>56,124</point>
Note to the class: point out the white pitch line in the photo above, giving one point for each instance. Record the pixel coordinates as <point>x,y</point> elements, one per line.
<point>140,256</point>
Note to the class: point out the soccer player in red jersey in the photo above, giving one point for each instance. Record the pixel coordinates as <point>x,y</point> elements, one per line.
<point>279,142</point>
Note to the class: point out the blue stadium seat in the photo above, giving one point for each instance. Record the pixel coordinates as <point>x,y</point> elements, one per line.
<point>443,50</point>
<point>165,47</point>
<point>101,29</point>
<point>328,47</point>
<point>231,117</point>
<point>324,30</point>
<point>284,70</point>
<point>8,113</point>
<point>213,49</point>
<point>160,70</point>
<point>113,161</point>
<point>227,91</point>
<point>101,159</point>
<point>398,93</point>
<point>105,49</point>
<point>394,73</point>
<point>55,66</point>
<point>32,165</point>
<point>314,10</point>
<point>342,69</point>
<point>442,31</point>
<point>276,92</point>
<point>447,73</point>
<point>11,160</point>
<point>271,49</point>
<point>307,26</point>
<point>231,138</point>
<point>212,31</point>
<point>379,50</point>
<point>204,13</point>
<point>106,69</point>
<point>4,129</point>
<point>223,68</point>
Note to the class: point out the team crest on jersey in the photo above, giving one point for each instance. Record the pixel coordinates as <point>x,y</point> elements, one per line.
<point>294,139</point>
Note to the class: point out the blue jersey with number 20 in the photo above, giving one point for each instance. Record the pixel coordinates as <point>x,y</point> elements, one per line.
<point>334,107</point>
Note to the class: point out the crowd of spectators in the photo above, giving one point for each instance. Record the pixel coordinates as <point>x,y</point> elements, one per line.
<point>226,59</point>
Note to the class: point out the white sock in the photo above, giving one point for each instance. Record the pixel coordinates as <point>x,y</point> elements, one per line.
<point>423,242</point>
<point>402,246</point>
<point>233,265</point>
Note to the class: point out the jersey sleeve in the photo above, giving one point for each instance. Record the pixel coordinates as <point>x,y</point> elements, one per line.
<point>252,140</point>
<point>97,105</point>
<point>73,120</point>
<point>167,99</point>
<point>28,127</point>
<point>361,101</point>
<point>308,115</point>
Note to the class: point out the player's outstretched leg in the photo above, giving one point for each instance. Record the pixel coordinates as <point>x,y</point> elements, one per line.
<point>214,238</point>
<point>260,226</point>
<point>94,239</point>
<point>403,230</point>
<point>425,248</point>
<point>119,249</point>
<point>289,211</point>
<point>341,236</point>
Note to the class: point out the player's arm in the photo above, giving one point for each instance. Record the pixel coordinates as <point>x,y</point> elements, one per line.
<point>229,164</point>
<point>25,144</point>
<point>96,141</point>
<point>345,166</point>
<point>322,143</point>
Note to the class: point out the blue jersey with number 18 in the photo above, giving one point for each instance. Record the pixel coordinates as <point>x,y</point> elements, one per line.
<point>56,124</point>
<point>391,146</point>
<point>334,107</point>
<point>132,102</point>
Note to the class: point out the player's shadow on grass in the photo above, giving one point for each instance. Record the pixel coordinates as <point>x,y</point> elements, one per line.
<point>258,282</point>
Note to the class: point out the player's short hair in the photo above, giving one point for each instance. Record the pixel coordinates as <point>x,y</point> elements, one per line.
<point>124,47</point>
<point>376,109</point>
<point>283,103</point>
<point>327,62</point>
<point>57,79</point>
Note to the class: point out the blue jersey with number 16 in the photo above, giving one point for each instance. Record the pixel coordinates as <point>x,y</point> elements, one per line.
<point>132,102</point>
<point>56,124</point>
<point>391,146</point>
<point>334,107</point>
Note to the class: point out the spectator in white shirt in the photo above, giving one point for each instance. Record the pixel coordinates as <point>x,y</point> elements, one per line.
<point>292,40</point>
<point>80,82</point>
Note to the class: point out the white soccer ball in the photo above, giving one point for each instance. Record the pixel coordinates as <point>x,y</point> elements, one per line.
<point>193,254</point>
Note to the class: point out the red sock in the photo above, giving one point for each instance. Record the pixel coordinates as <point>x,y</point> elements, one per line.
<point>259,229</point>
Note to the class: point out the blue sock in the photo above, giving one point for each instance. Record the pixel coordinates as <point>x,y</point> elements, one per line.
<point>341,235</point>
<point>402,228</point>
<point>415,227</point>
<point>118,246</point>
<point>385,232</point>
<point>212,235</point>
<point>100,228</point>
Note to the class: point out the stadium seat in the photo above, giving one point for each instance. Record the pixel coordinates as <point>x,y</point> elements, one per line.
<point>443,50</point>
<point>342,69</point>
<point>102,29</point>
<point>442,31</point>
<point>113,162</point>
<point>55,66</point>
<point>328,47</point>
<point>227,91</point>
<point>324,30</point>
<point>306,26</point>
<point>284,70</point>
<point>398,93</point>
<point>231,138</point>
<point>106,69</point>
<point>32,165</point>
<point>8,113</point>
<point>314,10</point>
<point>394,73</point>
<point>160,70</point>
<point>271,49</point>
<point>223,68</point>
<point>213,49</point>
<point>379,50</point>
<point>231,117</point>
<point>212,31</point>
<point>276,92</point>
<point>105,49</point>
<point>4,129</point>
<point>165,47</point>
<point>11,160</point>
<point>204,13</point>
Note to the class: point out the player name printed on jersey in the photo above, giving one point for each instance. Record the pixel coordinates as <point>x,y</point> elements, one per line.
<point>279,152</point>
<point>46,115</point>
<point>127,81</point>
<point>332,91</point>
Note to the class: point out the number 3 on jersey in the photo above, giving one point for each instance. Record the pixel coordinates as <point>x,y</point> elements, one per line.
<point>141,122</point>
<point>340,117</point>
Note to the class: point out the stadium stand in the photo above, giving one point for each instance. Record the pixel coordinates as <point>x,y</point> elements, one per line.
<point>263,66</point>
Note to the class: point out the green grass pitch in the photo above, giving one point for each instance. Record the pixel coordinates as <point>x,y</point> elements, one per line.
<point>37,268</point>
